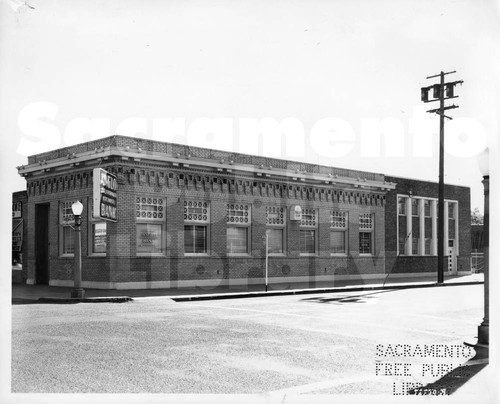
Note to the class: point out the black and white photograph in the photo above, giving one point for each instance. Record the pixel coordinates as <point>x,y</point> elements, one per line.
<point>261,201</point>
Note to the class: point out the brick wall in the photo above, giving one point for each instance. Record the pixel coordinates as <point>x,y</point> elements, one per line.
<point>177,184</point>
<point>122,264</point>
<point>399,264</point>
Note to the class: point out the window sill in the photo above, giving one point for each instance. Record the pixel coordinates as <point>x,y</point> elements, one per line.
<point>276,255</point>
<point>418,255</point>
<point>338,254</point>
<point>242,255</point>
<point>366,255</point>
<point>67,256</point>
<point>308,254</point>
<point>97,255</point>
<point>196,255</point>
<point>152,255</point>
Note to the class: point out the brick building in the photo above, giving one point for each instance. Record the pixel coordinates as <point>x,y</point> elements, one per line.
<point>189,216</point>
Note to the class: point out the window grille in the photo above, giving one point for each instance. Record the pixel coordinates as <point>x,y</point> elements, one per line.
<point>150,208</point>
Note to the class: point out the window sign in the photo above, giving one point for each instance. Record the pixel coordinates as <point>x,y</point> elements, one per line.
<point>99,237</point>
<point>17,235</point>
<point>104,198</point>
<point>295,213</point>
<point>149,238</point>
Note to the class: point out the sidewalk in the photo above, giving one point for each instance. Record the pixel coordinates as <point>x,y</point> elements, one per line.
<point>50,294</point>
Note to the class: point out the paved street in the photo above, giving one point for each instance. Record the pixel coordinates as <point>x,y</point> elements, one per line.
<point>329,343</point>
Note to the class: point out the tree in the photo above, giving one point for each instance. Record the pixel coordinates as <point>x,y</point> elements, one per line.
<point>476,217</point>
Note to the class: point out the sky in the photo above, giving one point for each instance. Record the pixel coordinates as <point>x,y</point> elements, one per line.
<point>324,78</point>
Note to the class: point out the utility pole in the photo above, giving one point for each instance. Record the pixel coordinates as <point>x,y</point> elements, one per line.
<point>441,92</point>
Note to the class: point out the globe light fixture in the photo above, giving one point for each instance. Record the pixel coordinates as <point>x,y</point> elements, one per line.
<point>77,208</point>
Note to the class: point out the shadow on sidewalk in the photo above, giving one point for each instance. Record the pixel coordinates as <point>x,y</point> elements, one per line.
<point>359,298</point>
<point>451,382</point>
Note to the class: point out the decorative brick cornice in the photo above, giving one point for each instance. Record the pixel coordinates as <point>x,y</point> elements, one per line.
<point>142,153</point>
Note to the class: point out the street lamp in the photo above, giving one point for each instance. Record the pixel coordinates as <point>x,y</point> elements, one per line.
<point>483,333</point>
<point>77,291</point>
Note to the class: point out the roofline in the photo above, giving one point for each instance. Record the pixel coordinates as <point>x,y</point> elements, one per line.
<point>113,137</point>
<point>420,180</point>
<point>136,155</point>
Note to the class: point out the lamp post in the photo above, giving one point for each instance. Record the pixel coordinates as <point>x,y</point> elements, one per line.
<point>77,291</point>
<point>483,331</point>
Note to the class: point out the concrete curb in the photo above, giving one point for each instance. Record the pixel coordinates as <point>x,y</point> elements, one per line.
<point>63,300</point>
<point>239,295</point>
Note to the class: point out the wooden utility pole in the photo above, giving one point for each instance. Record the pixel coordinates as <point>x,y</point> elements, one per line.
<point>441,92</point>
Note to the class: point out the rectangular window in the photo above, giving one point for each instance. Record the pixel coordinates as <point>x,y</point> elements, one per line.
<point>97,243</point>
<point>338,220</point>
<point>196,212</point>
<point>275,241</point>
<point>150,225</point>
<point>98,238</point>
<point>365,233</point>
<point>195,239</point>
<point>338,232</point>
<point>66,234</point>
<point>427,246</point>
<point>366,221</point>
<point>401,206</point>
<point>307,241</point>
<point>196,222</point>
<point>237,240</point>
<point>275,216</point>
<point>365,242</point>
<point>66,213</point>
<point>414,207</point>
<point>338,242</point>
<point>451,210</point>
<point>68,238</point>
<point>308,221</point>
<point>309,217</point>
<point>402,245</point>
<point>238,219</point>
<point>149,238</point>
<point>427,208</point>
<point>414,246</point>
<point>275,222</point>
<point>238,214</point>
<point>149,208</point>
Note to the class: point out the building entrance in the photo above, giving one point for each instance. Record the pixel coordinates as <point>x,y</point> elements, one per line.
<point>452,257</point>
<point>42,244</point>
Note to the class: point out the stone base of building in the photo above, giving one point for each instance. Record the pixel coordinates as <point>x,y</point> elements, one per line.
<point>212,283</point>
